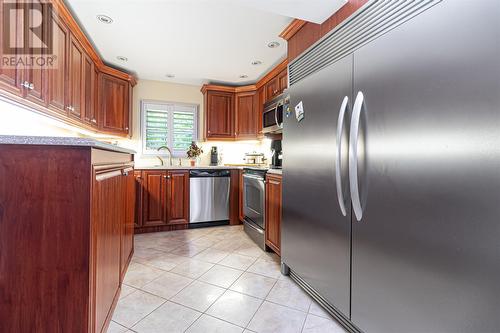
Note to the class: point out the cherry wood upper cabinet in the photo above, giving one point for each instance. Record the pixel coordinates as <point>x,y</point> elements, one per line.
<point>75,78</point>
<point>272,88</point>
<point>219,115</point>
<point>10,78</point>
<point>114,101</point>
<point>247,113</point>
<point>89,83</point>
<point>273,212</point>
<point>35,77</point>
<point>177,197</point>
<point>57,75</point>
<point>154,212</point>
<point>283,80</point>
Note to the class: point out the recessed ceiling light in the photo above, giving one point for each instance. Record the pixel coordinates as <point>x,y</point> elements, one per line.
<point>243,76</point>
<point>170,75</point>
<point>256,62</point>
<point>122,58</point>
<point>105,19</point>
<point>273,45</point>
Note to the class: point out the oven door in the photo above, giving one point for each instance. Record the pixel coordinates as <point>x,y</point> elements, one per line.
<point>254,199</point>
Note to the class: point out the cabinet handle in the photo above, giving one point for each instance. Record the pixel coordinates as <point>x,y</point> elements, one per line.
<point>31,86</point>
<point>208,132</point>
<point>165,177</point>
<point>25,84</point>
<point>126,128</point>
<point>94,121</point>
<point>273,182</point>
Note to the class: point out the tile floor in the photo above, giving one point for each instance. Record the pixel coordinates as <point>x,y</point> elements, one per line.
<point>212,280</point>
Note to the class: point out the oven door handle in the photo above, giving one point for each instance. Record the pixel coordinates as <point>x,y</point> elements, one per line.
<point>253,177</point>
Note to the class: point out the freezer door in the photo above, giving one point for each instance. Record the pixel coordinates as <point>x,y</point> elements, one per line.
<point>315,233</point>
<point>426,253</point>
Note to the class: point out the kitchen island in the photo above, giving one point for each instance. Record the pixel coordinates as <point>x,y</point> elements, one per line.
<point>66,232</point>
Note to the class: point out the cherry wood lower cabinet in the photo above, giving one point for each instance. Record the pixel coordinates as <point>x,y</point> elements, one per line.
<point>163,200</point>
<point>65,236</point>
<point>273,212</point>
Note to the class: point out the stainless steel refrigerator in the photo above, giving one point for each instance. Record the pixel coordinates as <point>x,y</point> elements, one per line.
<point>391,181</point>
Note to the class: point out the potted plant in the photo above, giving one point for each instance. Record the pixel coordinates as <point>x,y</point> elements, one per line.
<point>193,152</point>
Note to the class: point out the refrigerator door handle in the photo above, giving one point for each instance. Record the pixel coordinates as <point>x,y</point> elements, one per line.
<point>338,164</point>
<point>353,156</point>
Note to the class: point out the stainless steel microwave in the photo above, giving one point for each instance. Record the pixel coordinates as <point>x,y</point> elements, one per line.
<point>272,117</point>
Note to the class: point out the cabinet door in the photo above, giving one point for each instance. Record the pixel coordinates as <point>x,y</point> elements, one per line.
<point>283,80</point>
<point>114,104</point>
<point>139,190</point>
<point>246,115</point>
<point>220,115</point>
<point>272,88</point>
<point>178,197</point>
<point>57,87</point>
<point>10,78</point>
<point>127,243</point>
<point>108,203</point>
<point>154,198</point>
<point>36,77</point>
<point>273,213</point>
<point>260,106</point>
<point>75,79</point>
<point>89,109</point>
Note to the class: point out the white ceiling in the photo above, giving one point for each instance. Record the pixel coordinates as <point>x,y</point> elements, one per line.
<point>199,41</point>
<point>316,11</point>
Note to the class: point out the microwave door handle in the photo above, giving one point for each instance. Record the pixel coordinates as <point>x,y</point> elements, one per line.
<point>276,114</point>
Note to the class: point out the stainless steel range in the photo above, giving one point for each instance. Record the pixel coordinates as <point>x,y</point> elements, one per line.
<point>254,195</point>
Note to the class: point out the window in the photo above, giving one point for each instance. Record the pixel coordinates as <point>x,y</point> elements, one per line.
<point>174,125</point>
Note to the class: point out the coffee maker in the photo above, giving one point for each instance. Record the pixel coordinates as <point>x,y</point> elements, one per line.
<point>277,154</point>
<point>214,156</point>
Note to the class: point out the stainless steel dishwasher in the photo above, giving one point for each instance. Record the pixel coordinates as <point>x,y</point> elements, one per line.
<point>209,195</point>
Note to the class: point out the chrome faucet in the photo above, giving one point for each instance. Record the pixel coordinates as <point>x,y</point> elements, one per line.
<point>170,155</point>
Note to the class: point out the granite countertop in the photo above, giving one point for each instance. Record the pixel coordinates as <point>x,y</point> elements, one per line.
<point>60,141</point>
<point>186,167</point>
<point>275,171</point>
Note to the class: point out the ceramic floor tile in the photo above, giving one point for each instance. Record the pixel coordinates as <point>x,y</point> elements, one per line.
<point>116,328</point>
<point>288,293</point>
<point>266,268</point>
<point>138,274</point>
<point>235,308</point>
<point>238,261</point>
<point>126,290</point>
<point>146,253</point>
<point>317,310</point>
<point>192,268</point>
<point>203,241</point>
<point>198,295</point>
<point>315,324</point>
<point>274,318</point>
<point>254,285</point>
<point>133,308</point>
<point>221,276</point>
<point>167,285</point>
<point>250,250</point>
<point>166,261</point>
<point>208,324</point>
<point>211,255</point>
<point>169,317</point>
<point>188,250</point>
<point>228,245</point>
<point>270,256</point>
